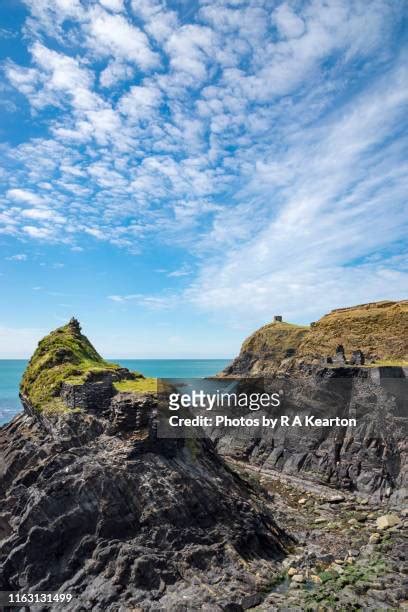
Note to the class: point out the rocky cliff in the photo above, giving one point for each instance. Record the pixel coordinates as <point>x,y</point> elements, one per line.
<point>369,457</point>
<point>266,348</point>
<point>378,330</point>
<point>94,504</point>
<point>320,377</point>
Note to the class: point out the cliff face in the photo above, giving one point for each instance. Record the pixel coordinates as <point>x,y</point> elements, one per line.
<point>371,458</point>
<point>266,348</point>
<point>94,504</point>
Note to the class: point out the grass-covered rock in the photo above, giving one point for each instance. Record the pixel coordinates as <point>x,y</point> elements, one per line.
<point>138,385</point>
<point>378,329</point>
<point>266,348</point>
<point>64,356</point>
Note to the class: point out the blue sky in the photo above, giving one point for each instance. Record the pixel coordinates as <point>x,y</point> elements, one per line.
<point>176,173</point>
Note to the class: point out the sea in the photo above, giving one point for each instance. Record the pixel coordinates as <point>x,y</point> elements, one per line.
<point>11,371</point>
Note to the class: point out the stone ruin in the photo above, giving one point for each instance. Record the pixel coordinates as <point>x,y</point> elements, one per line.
<point>75,325</point>
<point>277,319</point>
<point>339,358</point>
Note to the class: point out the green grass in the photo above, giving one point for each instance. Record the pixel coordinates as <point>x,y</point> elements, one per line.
<point>360,574</point>
<point>65,355</point>
<point>139,385</point>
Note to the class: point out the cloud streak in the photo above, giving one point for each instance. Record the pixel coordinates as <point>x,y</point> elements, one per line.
<point>266,142</point>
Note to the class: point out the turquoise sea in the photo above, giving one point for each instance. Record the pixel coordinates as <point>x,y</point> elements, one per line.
<point>11,371</point>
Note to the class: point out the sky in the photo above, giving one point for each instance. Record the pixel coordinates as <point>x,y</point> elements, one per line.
<point>174,173</point>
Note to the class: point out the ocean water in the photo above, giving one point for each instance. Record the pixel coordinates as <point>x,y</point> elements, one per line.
<point>11,371</point>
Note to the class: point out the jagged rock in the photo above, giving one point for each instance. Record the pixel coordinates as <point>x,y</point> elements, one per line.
<point>131,412</point>
<point>357,358</point>
<point>339,357</point>
<point>95,504</point>
<point>115,519</point>
<point>369,458</point>
<point>368,332</point>
<point>66,371</point>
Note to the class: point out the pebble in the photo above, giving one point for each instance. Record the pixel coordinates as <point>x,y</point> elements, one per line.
<point>292,571</point>
<point>316,579</point>
<point>387,520</point>
<point>374,538</point>
<point>298,578</point>
<point>337,499</point>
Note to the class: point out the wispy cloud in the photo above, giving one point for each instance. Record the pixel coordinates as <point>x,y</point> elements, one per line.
<point>265,140</point>
<point>17,257</point>
<point>147,301</point>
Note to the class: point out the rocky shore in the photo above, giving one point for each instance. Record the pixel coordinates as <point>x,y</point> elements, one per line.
<point>95,504</point>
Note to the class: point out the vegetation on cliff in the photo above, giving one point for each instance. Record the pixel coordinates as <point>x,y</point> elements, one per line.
<point>65,355</point>
<point>279,339</point>
<point>139,385</point>
<point>267,347</point>
<point>378,329</point>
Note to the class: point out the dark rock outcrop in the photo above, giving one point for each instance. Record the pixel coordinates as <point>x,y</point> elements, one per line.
<point>96,505</point>
<point>370,458</point>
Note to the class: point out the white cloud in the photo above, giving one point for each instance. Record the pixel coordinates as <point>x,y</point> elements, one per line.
<point>178,273</point>
<point>38,232</point>
<point>43,214</point>
<point>289,24</point>
<point>190,49</point>
<point>25,196</point>
<point>338,195</point>
<point>140,102</point>
<point>115,72</point>
<point>114,36</point>
<point>258,137</point>
<point>113,5</point>
<point>17,257</point>
<point>146,301</point>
